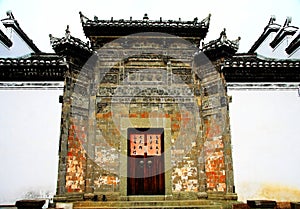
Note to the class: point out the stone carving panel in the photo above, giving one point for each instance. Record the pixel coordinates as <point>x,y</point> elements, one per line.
<point>140,91</point>
<point>145,76</point>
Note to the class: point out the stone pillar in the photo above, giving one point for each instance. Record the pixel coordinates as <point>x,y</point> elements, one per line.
<point>91,144</point>
<point>201,167</point>
<point>230,187</point>
<point>63,142</point>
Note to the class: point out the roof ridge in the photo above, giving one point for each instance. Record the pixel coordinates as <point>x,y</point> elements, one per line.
<point>280,30</point>
<point>295,43</point>
<point>86,20</point>
<point>10,21</point>
<point>5,39</point>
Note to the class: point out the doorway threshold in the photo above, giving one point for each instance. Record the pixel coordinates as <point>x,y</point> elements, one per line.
<point>146,197</point>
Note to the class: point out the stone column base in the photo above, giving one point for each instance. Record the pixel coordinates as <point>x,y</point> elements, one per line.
<point>70,197</point>
<point>202,195</point>
<point>222,196</point>
<point>230,196</point>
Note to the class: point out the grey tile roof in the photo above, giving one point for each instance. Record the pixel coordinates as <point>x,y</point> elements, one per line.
<point>221,47</point>
<point>249,67</point>
<point>58,44</point>
<point>37,67</point>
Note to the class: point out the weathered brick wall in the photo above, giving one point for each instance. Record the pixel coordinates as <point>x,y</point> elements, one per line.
<point>74,133</point>
<point>216,148</point>
<point>163,90</point>
<point>107,146</point>
<point>76,159</point>
<point>184,153</point>
<point>214,160</point>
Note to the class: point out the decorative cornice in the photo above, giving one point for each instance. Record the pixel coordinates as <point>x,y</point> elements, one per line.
<point>34,60</point>
<point>42,85</point>
<point>253,60</point>
<point>263,86</point>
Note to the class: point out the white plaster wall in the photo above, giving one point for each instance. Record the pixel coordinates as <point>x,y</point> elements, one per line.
<point>29,137</point>
<point>265,141</point>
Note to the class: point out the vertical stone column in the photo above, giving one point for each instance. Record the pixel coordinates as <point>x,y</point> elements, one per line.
<point>230,187</point>
<point>201,166</point>
<point>202,188</point>
<point>166,124</point>
<point>63,142</point>
<point>229,165</point>
<point>91,130</point>
<point>216,129</point>
<point>91,144</point>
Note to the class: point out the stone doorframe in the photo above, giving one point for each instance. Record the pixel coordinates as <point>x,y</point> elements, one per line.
<point>126,123</point>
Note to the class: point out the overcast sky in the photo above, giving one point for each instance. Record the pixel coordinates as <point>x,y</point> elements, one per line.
<point>264,124</point>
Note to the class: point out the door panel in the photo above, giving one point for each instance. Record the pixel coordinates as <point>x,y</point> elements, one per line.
<point>145,162</point>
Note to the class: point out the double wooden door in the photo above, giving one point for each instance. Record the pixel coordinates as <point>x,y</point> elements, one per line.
<point>145,161</point>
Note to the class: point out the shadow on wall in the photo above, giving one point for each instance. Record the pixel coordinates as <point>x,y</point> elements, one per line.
<point>248,191</point>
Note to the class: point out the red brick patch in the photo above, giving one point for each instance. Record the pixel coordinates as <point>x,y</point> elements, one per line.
<point>144,115</point>
<point>133,115</point>
<point>175,127</point>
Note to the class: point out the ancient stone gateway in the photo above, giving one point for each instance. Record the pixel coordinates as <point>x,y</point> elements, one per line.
<point>147,114</point>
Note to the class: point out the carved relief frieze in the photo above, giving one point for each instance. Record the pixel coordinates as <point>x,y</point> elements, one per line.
<point>145,76</point>
<point>101,107</point>
<point>141,91</point>
<point>110,78</point>
<point>181,76</point>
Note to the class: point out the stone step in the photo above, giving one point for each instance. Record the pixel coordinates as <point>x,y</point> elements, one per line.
<point>145,202</point>
<point>155,207</point>
<point>196,204</point>
<point>147,198</point>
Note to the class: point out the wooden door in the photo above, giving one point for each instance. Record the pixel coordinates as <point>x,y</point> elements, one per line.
<point>145,161</point>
